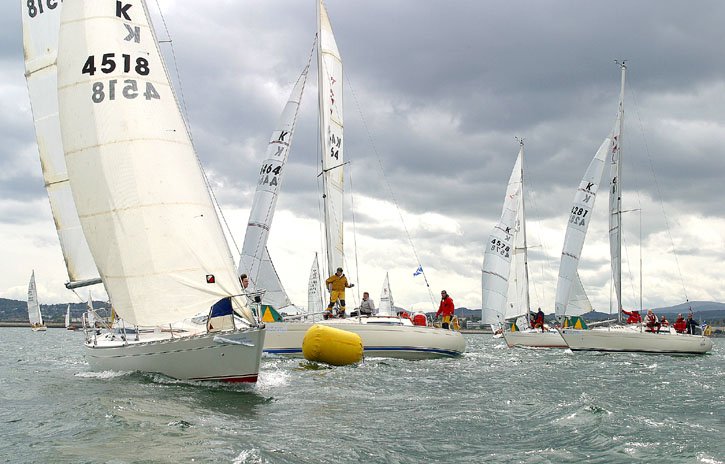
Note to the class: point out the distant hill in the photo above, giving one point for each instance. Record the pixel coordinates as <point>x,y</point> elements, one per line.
<point>15,310</point>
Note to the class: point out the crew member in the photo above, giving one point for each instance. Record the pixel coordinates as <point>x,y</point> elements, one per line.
<point>446,309</point>
<point>336,284</point>
<point>634,316</point>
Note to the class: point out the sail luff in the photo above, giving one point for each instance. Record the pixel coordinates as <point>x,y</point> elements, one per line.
<point>329,73</point>
<point>499,251</point>
<point>579,218</point>
<point>522,220</point>
<point>615,197</point>
<point>40,46</point>
<point>139,190</point>
<point>254,260</point>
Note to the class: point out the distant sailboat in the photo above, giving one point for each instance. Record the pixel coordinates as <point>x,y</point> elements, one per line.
<point>144,205</point>
<point>315,304</point>
<point>617,337</point>
<point>387,304</point>
<point>34,314</point>
<point>68,325</point>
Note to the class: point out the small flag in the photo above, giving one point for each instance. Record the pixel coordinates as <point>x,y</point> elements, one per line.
<point>418,271</point>
<point>210,279</point>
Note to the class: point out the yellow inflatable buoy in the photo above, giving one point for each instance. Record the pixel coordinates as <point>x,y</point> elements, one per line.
<point>332,346</point>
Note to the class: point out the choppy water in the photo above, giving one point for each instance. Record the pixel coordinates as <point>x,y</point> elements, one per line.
<point>493,405</point>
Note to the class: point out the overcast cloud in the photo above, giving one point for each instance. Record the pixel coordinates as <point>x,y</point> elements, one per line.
<point>435,94</point>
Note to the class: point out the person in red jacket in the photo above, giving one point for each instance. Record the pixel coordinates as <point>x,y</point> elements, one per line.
<point>446,309</point>
<point>680,325</point>
<point>634,316</point>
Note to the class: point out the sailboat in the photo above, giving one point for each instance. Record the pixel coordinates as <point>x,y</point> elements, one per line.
<point>384,336</point>
<point>34,314</point>
<point>68,325</point>
<point>144,205</point>
<point>616,337</point>
<point>504,273</point>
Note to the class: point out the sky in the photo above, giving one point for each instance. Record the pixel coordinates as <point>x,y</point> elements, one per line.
<point>436,93</point>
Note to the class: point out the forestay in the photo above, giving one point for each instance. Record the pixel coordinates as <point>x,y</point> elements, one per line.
<point>138,186</point>
<point>255,260</point>
<point>499,251</point>
<point>576,230</point>
<point>41,22</point>
<point>329,75</point>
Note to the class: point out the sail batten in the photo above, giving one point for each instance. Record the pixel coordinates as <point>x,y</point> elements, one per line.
<point>139,190</point>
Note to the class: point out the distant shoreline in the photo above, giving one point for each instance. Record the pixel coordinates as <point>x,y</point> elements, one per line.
<point>50,325</point>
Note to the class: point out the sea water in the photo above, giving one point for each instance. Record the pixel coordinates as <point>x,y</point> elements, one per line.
<point>494,404</point>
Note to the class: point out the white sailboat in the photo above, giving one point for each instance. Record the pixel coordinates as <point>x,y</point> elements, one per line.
<point>67,324</point>
<point>505,276</point>
<point>617,337</point>
<point>34,315</point>
<point>144,205</point>
<point>40,46</point>
<point>387,304</point>
<point>389,336</point>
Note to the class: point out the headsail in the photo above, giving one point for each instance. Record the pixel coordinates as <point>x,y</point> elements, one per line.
<point>67,316</point>
<point>576,230</point>
<point>499,251</point>
<point>387,305</point>
<point>314,290</point>
<point>137,183</point>
<point>34,315</point>
<point>329,76</point>
<point>615,197</point>
<point>40,44</point>
<point>255,260</point>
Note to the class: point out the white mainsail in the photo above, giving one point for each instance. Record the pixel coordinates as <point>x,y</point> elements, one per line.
<point>500,247</point>
<point>615,198</point>
<point>255,260</point>
<point>40,46</point>
<point>34,315</point>
<point>387,304</point>
<point>314,291</point>
<point>329,75</point>
<point>138,186</point>
<point>576,230</point>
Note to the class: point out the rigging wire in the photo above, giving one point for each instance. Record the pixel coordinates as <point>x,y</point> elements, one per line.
<point>390,189</point>
<point>659,193</point>
<point>354,231</point>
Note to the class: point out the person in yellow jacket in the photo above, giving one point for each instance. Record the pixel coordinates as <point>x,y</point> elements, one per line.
<point>336,284</point>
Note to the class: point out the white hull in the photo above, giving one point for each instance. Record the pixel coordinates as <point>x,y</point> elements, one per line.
<point>379,339</point>
<point>40,328</point>
<point>633,339</point>
<point>232,356</point>
<point>534,339</point>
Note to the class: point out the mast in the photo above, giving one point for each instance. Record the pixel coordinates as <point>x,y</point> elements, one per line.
<point>615,196</point>
<point>527,300</point>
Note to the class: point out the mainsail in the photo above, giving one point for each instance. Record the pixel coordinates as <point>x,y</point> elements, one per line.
<point>387,305</point>
<point>329,76</point>
<point>500,248</point>
<point>615,198</point>
<point>576,230</point>
<point>40,45</point>
<point>34,315</point>
<point>137,183</point>
<point>255,260</point>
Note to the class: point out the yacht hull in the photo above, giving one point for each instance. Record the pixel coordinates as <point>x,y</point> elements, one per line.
<point>633,339</point>
<point>231,356</point>
<point>379,340</point>
<point>534,339</point>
